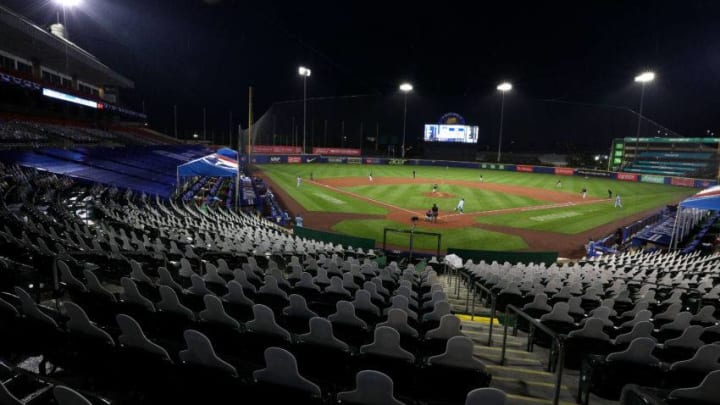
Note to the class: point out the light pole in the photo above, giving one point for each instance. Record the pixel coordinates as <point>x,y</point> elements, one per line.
<point>405,88</point>
<point>305,73</point>
<point>503,87</point>
<point>643,78</point>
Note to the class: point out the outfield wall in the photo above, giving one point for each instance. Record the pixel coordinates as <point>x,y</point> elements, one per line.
<point>559,171</point>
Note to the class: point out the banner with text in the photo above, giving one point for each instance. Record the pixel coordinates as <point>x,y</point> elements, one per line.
<point>336,151</point>
<point>276,149</point>
<point>564,171</point>
<point>627,177</point>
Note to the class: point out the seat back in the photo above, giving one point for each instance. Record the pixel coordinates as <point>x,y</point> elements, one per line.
<point>371,388</point>
<point>79,322</point>
<point>321,333</point>
<point>132,336</point>
<point>458,354</point>
<point>281,369</point>
<point>264,322</point>
<point>707,392</point>
<point>387,344</point>
<point>31,310</point>
<point>639,352</point>
<point>200,352</point>
<point>66,396</point>
<point>169,302</point>
<point>398,320</point>
<point>215,313</point>
<point>485,396</point>
<point>449,327</point>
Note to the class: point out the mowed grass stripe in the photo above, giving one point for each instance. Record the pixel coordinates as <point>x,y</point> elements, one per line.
<point>413,196</point>
<point>577,218</point>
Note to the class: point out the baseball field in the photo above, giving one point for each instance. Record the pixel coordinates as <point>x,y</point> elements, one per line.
<point>502,210</point>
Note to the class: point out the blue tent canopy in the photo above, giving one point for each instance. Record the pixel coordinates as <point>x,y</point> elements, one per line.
<point>222,163</point>
<point>708,199</point>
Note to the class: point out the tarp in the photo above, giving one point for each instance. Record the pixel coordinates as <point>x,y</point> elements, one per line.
<point>708,199</point>
<point>222,163</point>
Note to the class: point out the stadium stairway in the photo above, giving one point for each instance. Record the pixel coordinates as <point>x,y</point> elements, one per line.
<point>524,376</point>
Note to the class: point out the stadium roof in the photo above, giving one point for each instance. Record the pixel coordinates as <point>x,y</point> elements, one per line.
<point>27,40</point>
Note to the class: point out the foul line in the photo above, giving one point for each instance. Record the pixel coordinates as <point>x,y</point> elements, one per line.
<point>361,197</point>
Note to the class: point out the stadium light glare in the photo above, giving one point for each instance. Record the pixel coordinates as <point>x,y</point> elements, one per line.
<point>645,77</point>
<point>504,86</point>
<point>405,88</point>
<point>305,73</point>
<point>69,3</point>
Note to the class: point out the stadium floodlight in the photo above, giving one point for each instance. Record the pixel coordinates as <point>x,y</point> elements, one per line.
<point>643,78</point>
<point>503,87</point>
<point>69,3</point>
<point>305,73</point>
<point>405,88</point>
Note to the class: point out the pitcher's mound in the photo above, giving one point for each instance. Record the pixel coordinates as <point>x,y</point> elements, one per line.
<point>438,195</point>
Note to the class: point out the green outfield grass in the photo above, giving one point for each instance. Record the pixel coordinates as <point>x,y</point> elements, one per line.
<point>411,196</point>
<point>468,238</point>
<point>580,218</point>
<point>636,197</point>
<point>317,198</point>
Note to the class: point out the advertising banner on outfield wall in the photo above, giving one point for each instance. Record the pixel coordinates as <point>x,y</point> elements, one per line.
<point>651,178</point>
<point>524,168</point>
<point>373,161</point>
<point>336,151</point>
<point>682,181</point>
<point>332,159</point>
<point>354,161</point>
<point>627,177</point>
<point>705,183</point>
<point>276,149</point>
<point>595,173</point>
<point>492,166</point>
<point>564,171</point>
<point>294,159</point>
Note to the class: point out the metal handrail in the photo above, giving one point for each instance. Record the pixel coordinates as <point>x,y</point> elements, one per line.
<point>557,343</point>
<point>474,286</point>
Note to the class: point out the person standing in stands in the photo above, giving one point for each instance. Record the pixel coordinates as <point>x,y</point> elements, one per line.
<point>618,203</point>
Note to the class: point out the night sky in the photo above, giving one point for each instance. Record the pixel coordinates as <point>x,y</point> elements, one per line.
<point>197,53</point>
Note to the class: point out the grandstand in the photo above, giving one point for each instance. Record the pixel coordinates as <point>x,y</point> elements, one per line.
<point>680,157</point>
<point>124,282</point>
